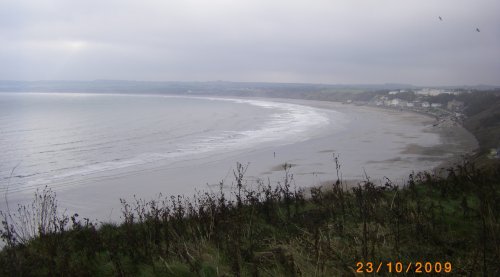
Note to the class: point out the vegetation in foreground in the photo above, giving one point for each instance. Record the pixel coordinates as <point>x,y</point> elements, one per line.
<point>268,230</point>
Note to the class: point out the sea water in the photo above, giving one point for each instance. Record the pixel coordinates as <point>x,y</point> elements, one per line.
<point>93,149</point>
<point>57,138</point>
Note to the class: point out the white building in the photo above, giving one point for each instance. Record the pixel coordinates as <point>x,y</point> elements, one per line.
<point>436,105</point>
<point>432,92</point>
<point>425,105</point>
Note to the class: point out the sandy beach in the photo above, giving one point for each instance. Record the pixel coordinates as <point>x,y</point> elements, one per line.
<point>376,142</point>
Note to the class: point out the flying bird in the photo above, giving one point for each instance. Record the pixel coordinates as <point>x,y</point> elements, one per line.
<point>477,30</point>
<point>440,18</point>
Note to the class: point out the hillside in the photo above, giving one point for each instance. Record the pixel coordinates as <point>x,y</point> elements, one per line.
<point>484,120</point>
<point>451,223</point>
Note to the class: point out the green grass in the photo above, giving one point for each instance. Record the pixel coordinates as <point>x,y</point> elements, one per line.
<point>271,231</point>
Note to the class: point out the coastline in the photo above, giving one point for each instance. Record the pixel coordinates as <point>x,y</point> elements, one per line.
<point>312,160</point>
<point>455,138</point>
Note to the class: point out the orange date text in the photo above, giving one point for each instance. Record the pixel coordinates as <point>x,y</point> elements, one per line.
<point>404,267</point>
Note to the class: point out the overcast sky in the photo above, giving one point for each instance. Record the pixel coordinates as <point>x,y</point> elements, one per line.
<point>331,41</point>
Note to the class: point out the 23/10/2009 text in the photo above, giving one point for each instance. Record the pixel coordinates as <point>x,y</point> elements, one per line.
<point>400,267</point>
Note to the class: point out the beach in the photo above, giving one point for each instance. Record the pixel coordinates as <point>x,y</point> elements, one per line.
<point>368,142</point>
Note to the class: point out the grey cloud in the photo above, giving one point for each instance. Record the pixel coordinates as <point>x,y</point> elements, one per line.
<point>252,40</point>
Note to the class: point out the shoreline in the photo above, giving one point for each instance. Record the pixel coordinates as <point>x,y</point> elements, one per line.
<point>312,159</point>
<point>449,134</point>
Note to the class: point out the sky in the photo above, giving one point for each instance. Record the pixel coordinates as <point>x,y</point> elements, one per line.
<point>306,41</point>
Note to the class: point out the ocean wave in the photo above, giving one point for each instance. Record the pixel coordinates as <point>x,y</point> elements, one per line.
<point>287,123</point>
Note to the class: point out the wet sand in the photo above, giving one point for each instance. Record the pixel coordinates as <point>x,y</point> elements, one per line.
<point>455,143</point>
<point>377,142</point>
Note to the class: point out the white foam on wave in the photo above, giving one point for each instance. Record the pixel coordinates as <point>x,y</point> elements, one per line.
<point>289,123</point>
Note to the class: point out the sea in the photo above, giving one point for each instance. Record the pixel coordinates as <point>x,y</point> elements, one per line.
<point>95,149</point>
<point>56,138</point>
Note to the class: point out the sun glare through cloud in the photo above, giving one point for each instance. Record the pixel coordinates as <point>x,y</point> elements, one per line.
<point>74,45</point>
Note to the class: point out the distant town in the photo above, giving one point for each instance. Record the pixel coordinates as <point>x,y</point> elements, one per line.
<point>446,109</point>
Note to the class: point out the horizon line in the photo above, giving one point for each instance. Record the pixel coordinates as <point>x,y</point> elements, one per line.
<point>251,82</point>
